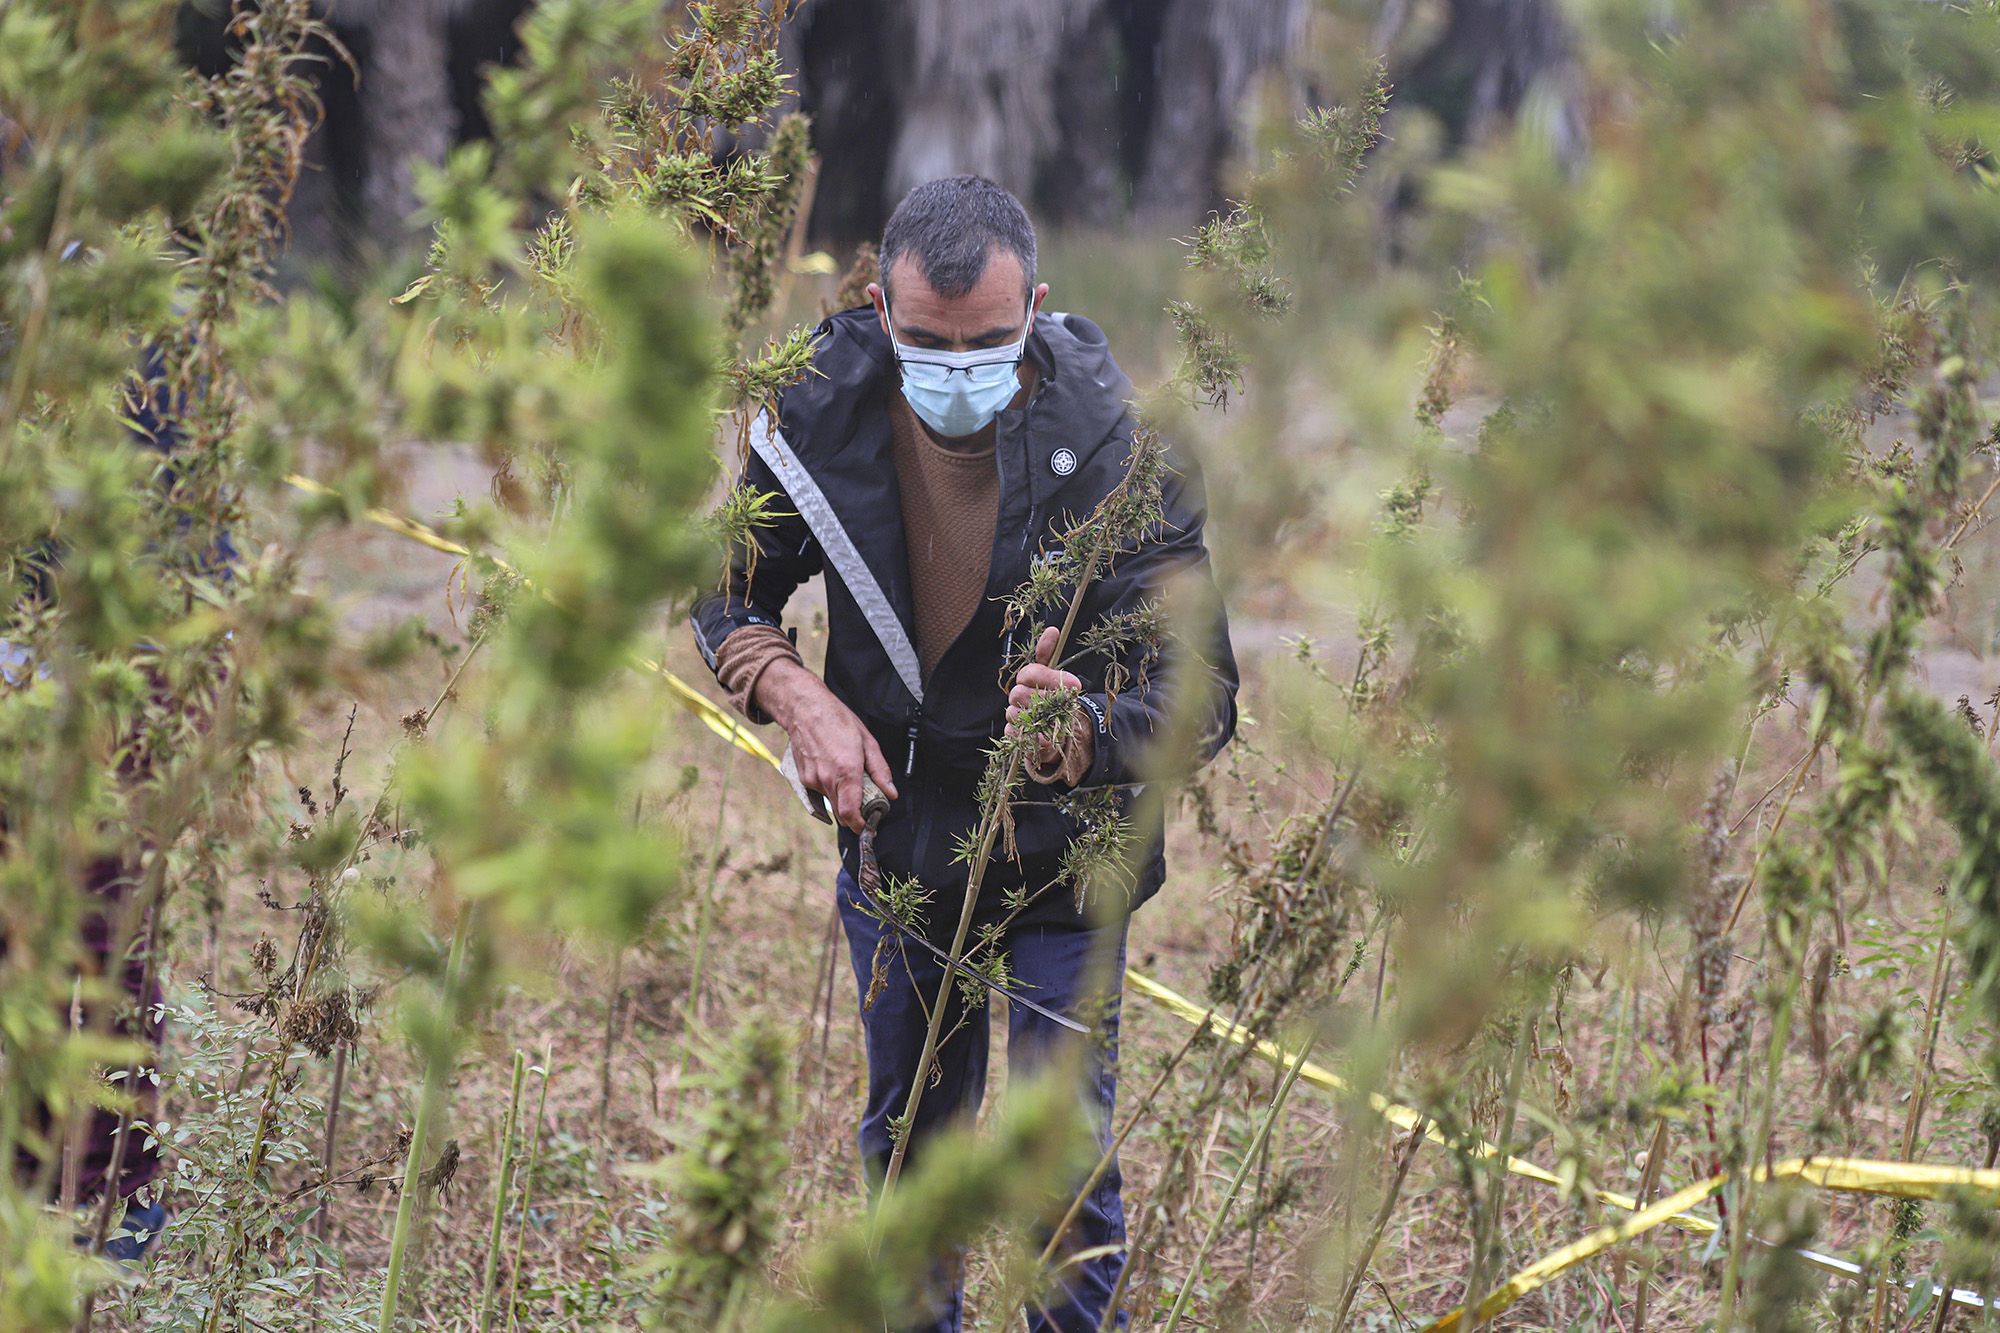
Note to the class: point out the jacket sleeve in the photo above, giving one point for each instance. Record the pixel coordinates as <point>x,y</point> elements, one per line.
<point>1171,568</point>
<point>763,570</point>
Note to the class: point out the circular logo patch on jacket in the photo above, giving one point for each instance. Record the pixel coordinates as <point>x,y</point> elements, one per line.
<point>1063,461</point>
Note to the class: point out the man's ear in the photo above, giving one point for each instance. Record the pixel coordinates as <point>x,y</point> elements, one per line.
<point>1041,295</point>
<point>880,302</point>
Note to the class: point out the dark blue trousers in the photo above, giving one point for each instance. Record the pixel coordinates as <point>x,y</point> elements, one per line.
<point>1051,962</point>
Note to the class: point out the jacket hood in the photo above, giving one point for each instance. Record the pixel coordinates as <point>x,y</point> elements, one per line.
<point>1084,393</point>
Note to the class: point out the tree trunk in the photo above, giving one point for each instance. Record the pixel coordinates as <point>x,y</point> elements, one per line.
<point>977,89</point>
<point>1483,68</point>
<point>1210,53</point>
<point>407,115</point>
<point>842,55</point>
<point>1082,179</point>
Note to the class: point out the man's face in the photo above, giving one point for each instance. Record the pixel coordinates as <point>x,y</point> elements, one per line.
<point>992,314</point>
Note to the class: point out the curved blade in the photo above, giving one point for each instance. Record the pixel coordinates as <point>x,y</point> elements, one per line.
<point>1003,991</point>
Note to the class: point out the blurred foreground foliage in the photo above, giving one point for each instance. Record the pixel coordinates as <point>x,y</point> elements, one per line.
<point>1696,429</point>
<point>1615,459</point>
<point>163,647</point>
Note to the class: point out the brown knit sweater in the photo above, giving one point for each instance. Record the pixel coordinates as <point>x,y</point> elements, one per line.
<point>951,500</point>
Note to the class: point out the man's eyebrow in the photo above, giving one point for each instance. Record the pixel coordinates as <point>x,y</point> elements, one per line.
<point>1005,333</point>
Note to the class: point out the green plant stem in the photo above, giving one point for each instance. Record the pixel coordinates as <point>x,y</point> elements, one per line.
<point>323,1220</point>
<point>528,1187</point>
<point>1739,1219</point>
<point>1649,1181</point>
<point>1622,1025</point>
<point>307,973</point>
<point>1971,516</point>
<point>704,914</point>
<point>1771,834</point>
<point>437,1066</point>
<point>1263,1134</point>
<point>497,1235</point>
<point>1366,1255</point>
<point>989,834</point>
<point>1485,1238</point>
<point>613,994</point>
<point>1913,1117</point>
<point>1230,1058</point>
<point>1110,1154</point>
<point>1945,1305</point>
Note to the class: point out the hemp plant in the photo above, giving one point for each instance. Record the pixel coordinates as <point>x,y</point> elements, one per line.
<point>1054,591</point>
<point>1659,477</point>
<point>723,1221</point>
<point>162,643</point>
<point>529,822</point>
<point>148,666</point>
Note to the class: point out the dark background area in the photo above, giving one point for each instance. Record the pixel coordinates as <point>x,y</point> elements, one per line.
<point>1099,113</point>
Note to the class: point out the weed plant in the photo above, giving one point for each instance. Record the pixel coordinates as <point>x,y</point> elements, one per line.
<point>1625,832</point>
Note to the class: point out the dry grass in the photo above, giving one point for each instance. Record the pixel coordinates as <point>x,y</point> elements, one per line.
<point>773,948</point>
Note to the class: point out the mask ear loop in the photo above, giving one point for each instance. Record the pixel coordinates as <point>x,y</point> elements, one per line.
<point>889,315</point>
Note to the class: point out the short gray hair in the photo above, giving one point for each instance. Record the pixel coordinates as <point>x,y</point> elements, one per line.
<point>951,225</point>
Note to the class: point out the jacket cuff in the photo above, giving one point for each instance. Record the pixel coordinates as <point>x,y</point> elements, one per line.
<point>1096,710</point>
<point>742,659</point>
<point>1073,757</point>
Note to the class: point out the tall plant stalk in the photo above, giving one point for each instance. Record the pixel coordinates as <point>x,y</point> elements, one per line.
<point>1920,1087</point>
<point>502,1186</point>
<point>528,1188</point>
<point>1487,1228</point>
<point>437,1069</point>
<point>613,1001</point>
<point>1737,1224</point>
<point>1358,1271</point>
<point>1243,1167</point>
<point>1110,1154</point>
<point>323,1221</point>
<point>1101,535</point>
<point>705,915</point>
<point>989,832</point>
<point>1649,1183</point>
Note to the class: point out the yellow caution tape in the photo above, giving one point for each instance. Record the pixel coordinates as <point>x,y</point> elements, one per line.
<point>1403,1117</point>
<point>1542,1270</point>
<point>1900,1179</point>
<point>716,718</point>
<point>394,522</point>
<point>1904,1180</point>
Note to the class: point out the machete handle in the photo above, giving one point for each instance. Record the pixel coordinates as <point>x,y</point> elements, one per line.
<point>874,804</point>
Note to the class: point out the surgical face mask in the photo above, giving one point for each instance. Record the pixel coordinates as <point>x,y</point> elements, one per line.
<point>957,393</point>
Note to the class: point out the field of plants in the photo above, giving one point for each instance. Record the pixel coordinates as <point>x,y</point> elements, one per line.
<point>1594,925</point>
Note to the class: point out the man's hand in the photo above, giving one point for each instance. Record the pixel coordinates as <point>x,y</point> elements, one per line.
<point>1039,677</point>
<point>829,744</point>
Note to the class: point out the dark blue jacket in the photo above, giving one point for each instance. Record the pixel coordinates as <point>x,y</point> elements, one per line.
<point>829,455</point>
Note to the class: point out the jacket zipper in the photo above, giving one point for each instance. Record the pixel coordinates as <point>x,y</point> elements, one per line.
<point>916,722</point>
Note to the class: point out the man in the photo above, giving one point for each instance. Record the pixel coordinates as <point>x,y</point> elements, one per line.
<point>949,432</point>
